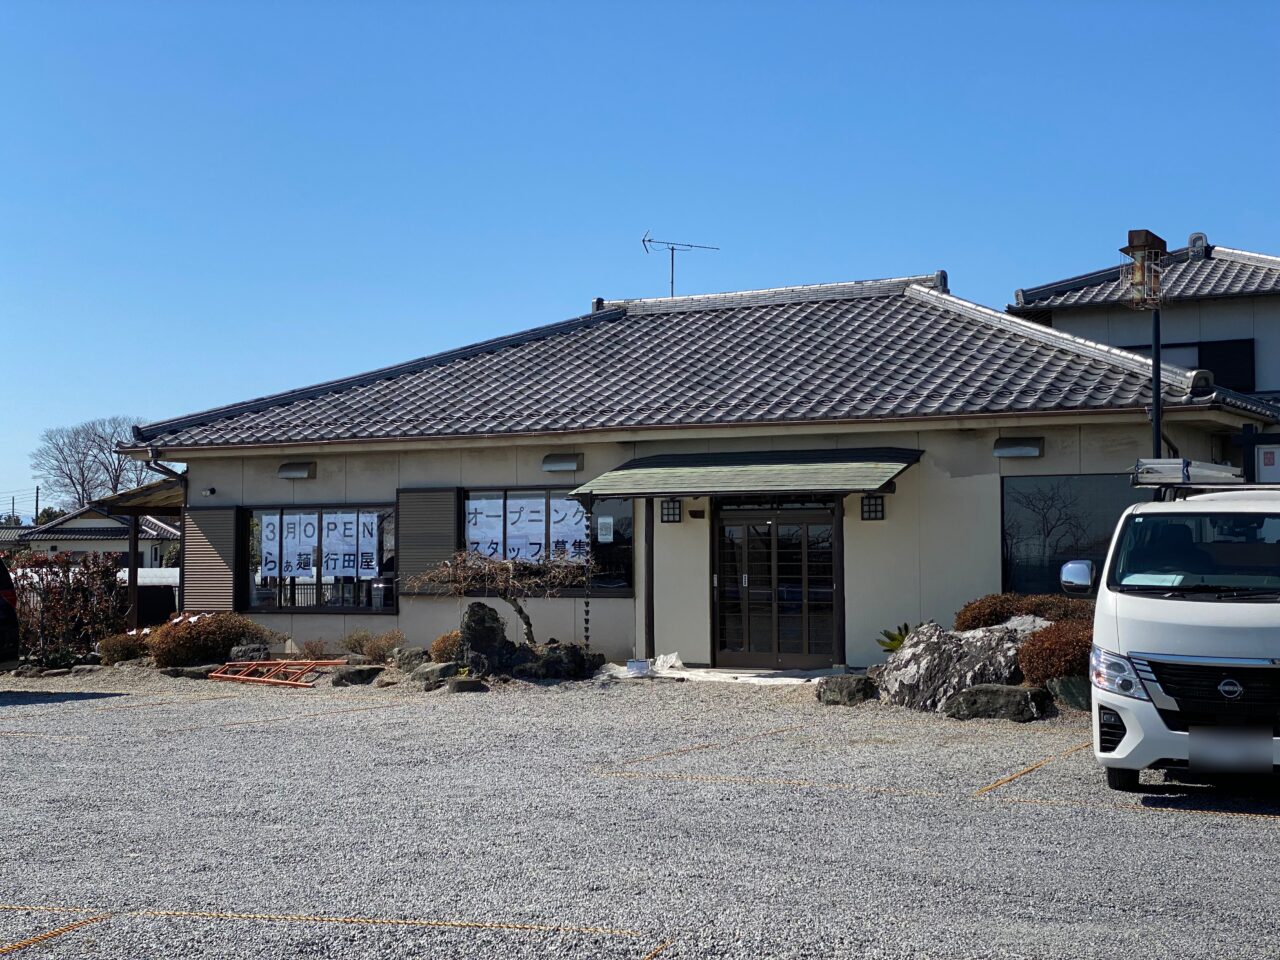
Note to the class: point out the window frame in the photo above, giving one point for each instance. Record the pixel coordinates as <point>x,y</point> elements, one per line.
<point>547,490</point>
<point>244,575</point>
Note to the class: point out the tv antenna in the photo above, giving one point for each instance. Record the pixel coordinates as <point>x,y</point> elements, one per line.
<point>671,246</point>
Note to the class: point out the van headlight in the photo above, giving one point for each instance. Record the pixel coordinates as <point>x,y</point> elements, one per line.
<point>1115,674</point>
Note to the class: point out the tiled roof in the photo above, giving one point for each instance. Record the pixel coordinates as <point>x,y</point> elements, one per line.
<point>12,534</point>
<point>837,352</point>
<point>1197,271</point>
<point>112,528</point>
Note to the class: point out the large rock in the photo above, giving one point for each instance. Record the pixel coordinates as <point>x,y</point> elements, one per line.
<point>357,675</point>
<point>846,690</point>
<point>249,651</point>
<point>190,673</point>
<point>559,661</point>
<point>433,675</point>
<point>1073,692</point>
<point>409,658</point>
<point>934,664</point>
<point>999,701</point>
<point>83,669</point>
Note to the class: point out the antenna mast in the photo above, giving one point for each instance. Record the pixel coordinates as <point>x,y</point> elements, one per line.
<point>671,246</point>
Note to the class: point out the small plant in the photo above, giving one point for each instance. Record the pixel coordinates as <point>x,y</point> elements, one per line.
<point>312,650</point>
<point>378,648</point>
<point>121,647</point>
<point>893,639</point>
<point>446,647</point>
<point>1059,650</point>
<point>193,640</point>
<point>356,640</point>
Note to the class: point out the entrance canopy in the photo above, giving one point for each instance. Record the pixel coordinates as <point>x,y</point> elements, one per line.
<point>867,470</point>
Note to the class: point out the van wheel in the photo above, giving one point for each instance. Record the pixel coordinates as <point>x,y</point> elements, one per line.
<point>1120,779</point>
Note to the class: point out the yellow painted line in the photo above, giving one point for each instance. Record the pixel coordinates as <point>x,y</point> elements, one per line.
<point>711,745</point>
<point>329,918</point>
<point>768,782</point>
<point>49,935</point>
<point>1031,769</point>
<point>291,716</point>
<point>34,908</point>
<point>42,734</point>
<point>385,921</point>
<point>163,703</point>
<point>660,948</point>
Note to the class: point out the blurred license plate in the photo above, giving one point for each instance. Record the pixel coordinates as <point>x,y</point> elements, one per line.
<point>1231,749</point>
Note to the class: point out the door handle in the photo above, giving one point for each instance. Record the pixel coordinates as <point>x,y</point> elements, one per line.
<point>744,580</point>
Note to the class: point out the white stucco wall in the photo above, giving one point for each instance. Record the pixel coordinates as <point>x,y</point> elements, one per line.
<point>938,547</point>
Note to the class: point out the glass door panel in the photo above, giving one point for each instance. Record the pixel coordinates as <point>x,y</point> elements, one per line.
<point>820,589</point>
<point>790,587</point>
<point>731,627</point>
<point>760,588</point>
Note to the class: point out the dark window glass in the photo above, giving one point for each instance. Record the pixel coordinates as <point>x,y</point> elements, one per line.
<point>1050,520</point>
<point>322,558</point>
<point>1231,362</point>
<point>1199,553</point>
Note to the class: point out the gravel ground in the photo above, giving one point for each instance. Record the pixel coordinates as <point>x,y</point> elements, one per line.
<point>630,820</point>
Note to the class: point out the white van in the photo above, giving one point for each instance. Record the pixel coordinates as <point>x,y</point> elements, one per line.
<point>1186,635</point>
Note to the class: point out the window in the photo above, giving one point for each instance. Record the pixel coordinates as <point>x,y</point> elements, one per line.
<point>1050,520</point>
<point>320,558</point>
<point>1227,556</point>
<point>539,524</point>
<point>1230,361</point>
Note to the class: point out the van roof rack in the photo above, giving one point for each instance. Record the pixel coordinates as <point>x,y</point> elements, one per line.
<point>1185,473</point>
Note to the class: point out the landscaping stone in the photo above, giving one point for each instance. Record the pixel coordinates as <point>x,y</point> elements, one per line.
<point>249,651</point>
<point>56,672</point>
<point>846,690</point>
<point>82,669</point>
<point>466,685</point>
<point>27,672</point>
<point>484,635</point>
<point>433,675</point>
<point>999,701</point>
<point>356,675</point>
<point>557,661</point>
<point>934,664</point>
<point>1073,692</point>
<point>386,680</point>
<point>356,659</point>
<point>408,658</point>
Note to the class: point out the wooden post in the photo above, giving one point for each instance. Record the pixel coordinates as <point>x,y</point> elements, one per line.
<point>649,646</point>
<point>133,572</point>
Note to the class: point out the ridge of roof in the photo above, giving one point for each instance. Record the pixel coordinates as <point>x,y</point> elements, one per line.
<point>1054,338</point>
<point>806,293</point>
<point>144,432</point>
<point>77,512</point>
<point>1244,256</point>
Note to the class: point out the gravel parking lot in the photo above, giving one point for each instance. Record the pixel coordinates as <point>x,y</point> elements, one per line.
<point>636,820</point>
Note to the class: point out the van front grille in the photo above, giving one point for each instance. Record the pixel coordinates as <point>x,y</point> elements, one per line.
<point>1212,694</point>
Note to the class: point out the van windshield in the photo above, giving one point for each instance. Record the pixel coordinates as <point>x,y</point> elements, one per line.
<point>1227,554</point>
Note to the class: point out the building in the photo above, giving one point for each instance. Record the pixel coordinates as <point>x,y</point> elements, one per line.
<point>93,530</point>
<point>765,478</point>
<point>1221,313</point>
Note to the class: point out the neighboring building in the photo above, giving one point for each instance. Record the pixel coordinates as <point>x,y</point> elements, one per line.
<point>1221,313</point>
<point>10,537</point>
<point>91,530</point>
<point>773,476</point>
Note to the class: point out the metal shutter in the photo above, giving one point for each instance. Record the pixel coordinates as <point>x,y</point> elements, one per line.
<point>427,531</point>
<point>208,561</point>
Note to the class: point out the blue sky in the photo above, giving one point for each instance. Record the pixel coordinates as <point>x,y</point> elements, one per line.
<point>204,202</point>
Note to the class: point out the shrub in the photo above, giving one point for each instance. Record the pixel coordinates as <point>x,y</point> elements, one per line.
<point>1060,650</point>
<point>996,608</point>
<point>376,646</point>
<point>891,640</point>
<point>312,650</point>
<point>65,605</point>
<point>121,647</point>
<point>446,646</point>
<point>190,641</point>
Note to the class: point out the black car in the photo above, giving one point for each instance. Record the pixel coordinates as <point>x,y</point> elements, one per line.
<point>8,616</point>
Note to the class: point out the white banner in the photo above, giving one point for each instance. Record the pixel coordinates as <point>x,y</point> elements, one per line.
<point>367,558</point>
<point>484,525</point>
<point>341,544</point>
<point>299,542</point>
<point>568,529</point>
<point>526,527</point>
<point>269,545</point>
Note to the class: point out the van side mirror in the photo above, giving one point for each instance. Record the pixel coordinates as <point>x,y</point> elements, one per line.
<point>1077,576</point>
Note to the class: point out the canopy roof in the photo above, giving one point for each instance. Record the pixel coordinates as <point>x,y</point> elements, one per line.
<point>765,472</point>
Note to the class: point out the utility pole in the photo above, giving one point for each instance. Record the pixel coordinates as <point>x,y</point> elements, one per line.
<point>37,513</point>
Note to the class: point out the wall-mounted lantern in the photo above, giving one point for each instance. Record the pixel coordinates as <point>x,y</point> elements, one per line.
<point>672,509</point>
<point>873,506</point>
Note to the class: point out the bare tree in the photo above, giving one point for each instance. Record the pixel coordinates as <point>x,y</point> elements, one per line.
<point>1054,523</point>
<point>80,463</point>
<point>511,581</point>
